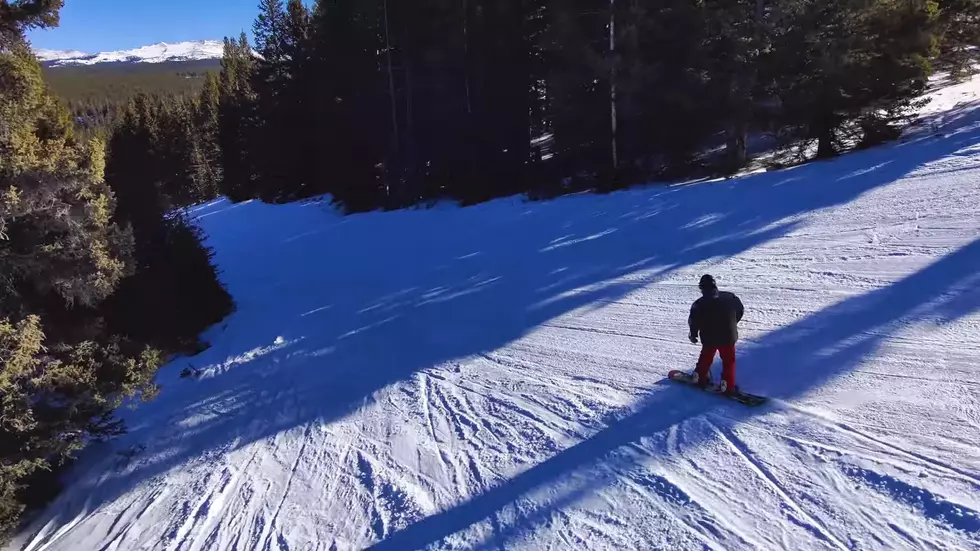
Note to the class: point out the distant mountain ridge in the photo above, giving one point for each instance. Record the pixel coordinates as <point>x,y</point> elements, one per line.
<point>155,53</point>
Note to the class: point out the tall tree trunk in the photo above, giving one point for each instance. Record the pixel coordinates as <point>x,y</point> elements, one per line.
<point>410,124</point>
<point>612,82</point>
<point>466,56</point>
<point>825,137</point>
<point>396,138</point>
<point>735,149</point>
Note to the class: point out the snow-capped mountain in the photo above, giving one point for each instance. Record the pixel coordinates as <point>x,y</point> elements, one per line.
<point>155,53</point>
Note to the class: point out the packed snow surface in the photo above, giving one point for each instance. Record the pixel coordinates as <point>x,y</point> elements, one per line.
<point>156,53</point>
<point>493,377</point>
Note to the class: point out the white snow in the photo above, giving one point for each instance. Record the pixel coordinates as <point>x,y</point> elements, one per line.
<point>156,53</point>
<point>493,377</point>
<point>57,55</point>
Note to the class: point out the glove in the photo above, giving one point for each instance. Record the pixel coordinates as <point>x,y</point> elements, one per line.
<point>693,337</point>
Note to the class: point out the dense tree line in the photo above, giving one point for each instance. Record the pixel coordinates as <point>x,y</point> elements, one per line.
<point>385,104</point>
<point>102,278</point>
<point>97,95</point>
<point>120,82</point>
<point>160,159</point>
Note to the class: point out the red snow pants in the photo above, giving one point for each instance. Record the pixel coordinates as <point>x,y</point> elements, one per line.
<point>727,363</point>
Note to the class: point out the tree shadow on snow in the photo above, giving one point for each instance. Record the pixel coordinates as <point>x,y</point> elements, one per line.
<point>785,364</point>
<point>332,310</point>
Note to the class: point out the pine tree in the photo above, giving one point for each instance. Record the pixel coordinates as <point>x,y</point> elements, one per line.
<point>269,83</point>
<point>958,33</point>
<point>298,101</point>
<point>268,31</point>
<point>351,114</point>
<point>895,73</point>
<point>839,64</point>
<point>282,84</point>
<point>77,241</point>
<point>497,70</point>
<point>664,104</point>
<point>185,176</point>
<point>57,397</point>
<point>206,122</point>
<point>736,38</point>
<point>135,167</point>
<point>174,293</point>
<point>19,15</point>
<point>236,119</point>
<point>436,99</point>
<point>55,204</point>
<point>61,255</point>
<point>577,41</point>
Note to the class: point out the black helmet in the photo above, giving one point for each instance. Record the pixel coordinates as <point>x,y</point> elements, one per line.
<point>707,283</point>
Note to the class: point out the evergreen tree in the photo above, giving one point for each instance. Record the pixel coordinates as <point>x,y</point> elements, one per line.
<point>174,293</point>
<point>61,254</point>
<point>895,72</point>
<point>497,66</point>
<point>236,119</point>
<point>736,38</point>
<point>663,88</point>
<point>958,33</point>
<point>579,79</point>
<point>16,16</point>
<point>350,116</point>
<point>282,83</point>
<point>75,249</point>
<point>186,178</point>
<point>843,62</point>
<point>298,100</point>
<point>48,180</point>
<point>206,122</point>
<point>435,100</point>
<point>269,82</point>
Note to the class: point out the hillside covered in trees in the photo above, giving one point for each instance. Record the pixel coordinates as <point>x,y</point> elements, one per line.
<point>96,94</point>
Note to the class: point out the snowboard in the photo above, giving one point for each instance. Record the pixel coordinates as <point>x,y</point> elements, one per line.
<point>751,400</point>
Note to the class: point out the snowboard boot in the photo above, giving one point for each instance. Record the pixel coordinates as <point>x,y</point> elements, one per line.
<point>723,389</point>
<point>701,382</point>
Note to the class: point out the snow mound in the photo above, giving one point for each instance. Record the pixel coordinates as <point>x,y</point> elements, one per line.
<point>494,376</point>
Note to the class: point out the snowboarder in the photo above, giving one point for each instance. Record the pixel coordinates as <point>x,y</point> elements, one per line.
<point>715,317</point>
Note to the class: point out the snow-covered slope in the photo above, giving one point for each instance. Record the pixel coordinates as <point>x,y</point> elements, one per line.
<point>493,377</point>
<point>156,53</point>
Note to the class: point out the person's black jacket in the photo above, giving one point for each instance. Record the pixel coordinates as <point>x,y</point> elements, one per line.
<point>715,317</point>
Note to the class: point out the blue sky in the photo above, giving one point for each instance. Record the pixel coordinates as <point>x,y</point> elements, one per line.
<point>101,25</point>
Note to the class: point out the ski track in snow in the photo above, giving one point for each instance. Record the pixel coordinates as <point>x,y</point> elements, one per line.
<point>493,377</point>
